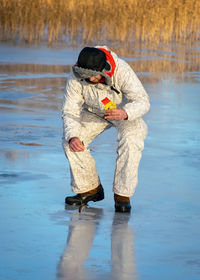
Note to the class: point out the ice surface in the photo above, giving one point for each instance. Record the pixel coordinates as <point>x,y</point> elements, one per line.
<point>40,239</point>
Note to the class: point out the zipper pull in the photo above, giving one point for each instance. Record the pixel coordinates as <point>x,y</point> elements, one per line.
<point>117,91</point>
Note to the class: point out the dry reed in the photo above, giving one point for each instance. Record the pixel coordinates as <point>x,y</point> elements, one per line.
<point>86,22</point>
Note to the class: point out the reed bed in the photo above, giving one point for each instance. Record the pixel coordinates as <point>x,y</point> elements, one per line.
<point>78,22</point>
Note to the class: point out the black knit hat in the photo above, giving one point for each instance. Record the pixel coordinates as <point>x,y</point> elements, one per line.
<point>91,63</point>
<point>92,58</point>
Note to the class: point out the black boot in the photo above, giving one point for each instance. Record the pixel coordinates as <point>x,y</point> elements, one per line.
<point>96,194</point>
<point>122,203</point>
<point>121,206</point>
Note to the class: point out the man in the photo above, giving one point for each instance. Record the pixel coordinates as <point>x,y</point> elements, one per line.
<point>101,76</point>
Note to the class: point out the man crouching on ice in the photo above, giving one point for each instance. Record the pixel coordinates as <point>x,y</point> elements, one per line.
<point>101,92</point>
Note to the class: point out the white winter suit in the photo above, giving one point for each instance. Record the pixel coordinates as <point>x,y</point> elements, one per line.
<point>83,117</point>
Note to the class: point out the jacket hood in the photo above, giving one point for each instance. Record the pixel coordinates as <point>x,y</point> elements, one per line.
<point>106,73</point>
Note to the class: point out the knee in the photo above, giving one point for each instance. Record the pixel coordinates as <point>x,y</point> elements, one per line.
<point>133,135</point>
<point>132,142</point>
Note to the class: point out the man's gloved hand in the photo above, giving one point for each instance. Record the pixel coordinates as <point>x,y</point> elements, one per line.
<point>76,145</point>
<point>116,114</point>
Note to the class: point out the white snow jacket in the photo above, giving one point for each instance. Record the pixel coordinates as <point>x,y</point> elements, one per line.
<point>126,91</point>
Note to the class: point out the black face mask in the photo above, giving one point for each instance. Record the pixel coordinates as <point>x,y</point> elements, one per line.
<point>89,82</point>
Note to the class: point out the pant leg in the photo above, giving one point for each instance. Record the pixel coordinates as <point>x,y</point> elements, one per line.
<point>84,176</point>
<point>131,137</point>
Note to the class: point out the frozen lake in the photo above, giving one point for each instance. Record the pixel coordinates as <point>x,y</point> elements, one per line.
<point>39,238</point>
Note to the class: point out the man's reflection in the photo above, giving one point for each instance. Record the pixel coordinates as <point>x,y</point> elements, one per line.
<point>81,234</point>
<point>82,230</point>
<point>122,247</point>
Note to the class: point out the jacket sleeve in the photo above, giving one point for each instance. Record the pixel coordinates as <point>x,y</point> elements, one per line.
<point>138,100</point>
<point>72,106</point>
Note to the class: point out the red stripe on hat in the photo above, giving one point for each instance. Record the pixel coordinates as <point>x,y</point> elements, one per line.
<point>111,61</point>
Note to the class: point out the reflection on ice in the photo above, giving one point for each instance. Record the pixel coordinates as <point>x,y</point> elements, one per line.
<point>122,244</point>
<point>81,234</point>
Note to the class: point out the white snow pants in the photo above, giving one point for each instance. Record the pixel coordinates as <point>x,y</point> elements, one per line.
<point>131,135</point>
